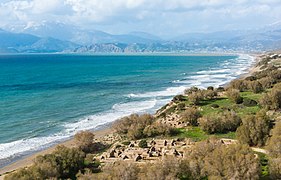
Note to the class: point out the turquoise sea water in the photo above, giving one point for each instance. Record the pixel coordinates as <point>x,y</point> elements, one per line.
<point>45,99</point>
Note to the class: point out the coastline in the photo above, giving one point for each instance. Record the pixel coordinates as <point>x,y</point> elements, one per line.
<point>28,160</point>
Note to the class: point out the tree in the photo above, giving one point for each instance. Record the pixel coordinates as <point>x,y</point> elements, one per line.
<point>133,126</point>
<point>232,162</point>
<point>191,90</point>
<point>237,84</point>
<point>143,143</point>
<point>272,100</point>
<point>166,169</point>
<point>195,97</point>
<point>220,122</point>
<point>84,140</point>
<point>122,170</point>
<point>213,160</point>
<point>63,163</point>
<point>191,115</point>
<point>234,95</point>
<point>274,150</point>
<point>255,86</point>
<point>254,130</point>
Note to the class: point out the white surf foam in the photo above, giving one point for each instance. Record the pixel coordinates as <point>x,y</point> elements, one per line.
<point>21,147</point>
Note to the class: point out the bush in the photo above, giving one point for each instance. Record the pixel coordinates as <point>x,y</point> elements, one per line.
<point>211,88</point>
<point>166,169</point>
<point>276,75</point>
<point>141,126</point>
<point>220,123</point>
<point>63,163</point>
<point>249,102</point>
<point>126,143</point>
<point>181,106</point>
<point>157,129</point>
<point>84,140</point>
<point>251,78</point>
<point>255,86</point>
<point>237,84</point>
<point>178,98</point>
<point>195,97</point>
<point>191,90</point>
<point>234,96</point>
<point>266,82</point>
<point>209,94</point>
<point>191,115</point>
<point>254,130</point>
<point>212,160</point>
<point>272,100</point>
<point>143,143</point>
<point>274,150</point>
<point>113,171</point>
<point>220,89</point>
<point>133,125</point>
<point>225,162</point>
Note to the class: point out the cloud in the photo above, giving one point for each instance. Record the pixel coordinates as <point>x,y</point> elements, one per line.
<point>157,16</point>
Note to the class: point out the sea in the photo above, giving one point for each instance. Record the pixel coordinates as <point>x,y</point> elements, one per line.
<point>47,98</point>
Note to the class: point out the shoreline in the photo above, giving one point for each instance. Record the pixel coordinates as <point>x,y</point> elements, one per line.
<point>27,160</point>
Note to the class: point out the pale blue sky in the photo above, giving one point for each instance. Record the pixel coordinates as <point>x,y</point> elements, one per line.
<point>160,17</point>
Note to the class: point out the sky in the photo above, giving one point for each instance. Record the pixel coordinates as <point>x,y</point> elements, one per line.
<point>159,17</point>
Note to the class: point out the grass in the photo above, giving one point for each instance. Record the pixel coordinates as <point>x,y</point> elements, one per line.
<point>197,134</point>
<point>264,165</point>
<point>251,95</point>
<point>225,103</point>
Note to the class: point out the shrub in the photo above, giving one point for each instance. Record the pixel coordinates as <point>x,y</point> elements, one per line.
<point>157,129</point>
<point>191,90</point>
<point>211,88</point>
<point>126,143</point>
<point>209,94</point>
<point>220,89</point>
<point>276,75</point>
<point>195,97</point>
<point>274,150</point>
<point>266,82</point>
<point>166,169</point>
<point>143,143</point>
<point>178,98</point>
<point>234,95</point>
<point>220,123</point>
<point>225,163</point>
<point>181,106</point>
<point>133,125</point>
<point>249,102</point>
<point>254,130</point>
<point>191,115</point>
<point>237,84</point>
<point>117,170</point>
<point>84,140</point>
<point>272,100</point>
<point>212,160</point>
<point>251,78</point>
<point>63,163</point>
<point>141,126</point>
<point>255,86</point>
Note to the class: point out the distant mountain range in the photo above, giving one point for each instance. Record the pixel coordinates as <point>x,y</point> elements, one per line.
<point>26,43</point>
<point>57,37</point>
